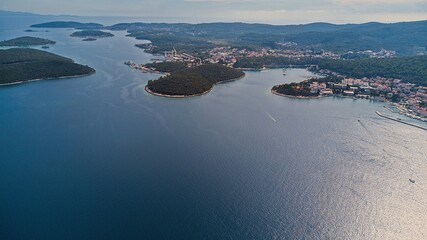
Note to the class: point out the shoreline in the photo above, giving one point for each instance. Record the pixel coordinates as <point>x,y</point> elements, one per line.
<point>292,96</point>
<point>192,95</point>
<point>175,96</point>
<point>40,79</point>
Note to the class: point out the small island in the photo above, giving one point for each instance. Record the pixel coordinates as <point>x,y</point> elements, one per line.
<point>89,39</point>
<point>183,81</point>
<point>31,30</point>
<point>25,41</point>
<point>87,34</point>
<point>18,65</point>
<point>64,24</point>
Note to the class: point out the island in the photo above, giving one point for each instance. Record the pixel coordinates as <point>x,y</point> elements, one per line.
<point>69,24</point>
<point>89,39</point>
<point>183,81</point>
<point>31,30</point>
<point>25,41</point>
<point>91,34</point>
<point>18,65</point>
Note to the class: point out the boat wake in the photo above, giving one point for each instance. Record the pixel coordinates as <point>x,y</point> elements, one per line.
<point>271,117</point>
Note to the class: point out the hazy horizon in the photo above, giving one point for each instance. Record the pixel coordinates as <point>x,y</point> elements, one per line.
<point>106,20</point>
<point>250,11</point>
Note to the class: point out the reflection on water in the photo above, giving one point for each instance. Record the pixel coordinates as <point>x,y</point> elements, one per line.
<point>97,157</point>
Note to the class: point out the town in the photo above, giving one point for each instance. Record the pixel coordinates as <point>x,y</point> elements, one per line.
<point>410,99</point>
<point>229,55</point>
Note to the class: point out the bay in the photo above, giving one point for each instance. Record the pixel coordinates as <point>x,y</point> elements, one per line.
<point>99,158</point>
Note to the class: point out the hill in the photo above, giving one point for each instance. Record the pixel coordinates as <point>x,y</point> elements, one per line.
<point>24,64</point>
<point>406,38</point>
<point>411,69</point>
<point>25,41</point>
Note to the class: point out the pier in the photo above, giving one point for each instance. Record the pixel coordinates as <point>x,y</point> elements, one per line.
<point>400,121</point>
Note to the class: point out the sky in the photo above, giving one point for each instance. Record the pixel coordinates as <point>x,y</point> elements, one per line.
<point>262,11</point>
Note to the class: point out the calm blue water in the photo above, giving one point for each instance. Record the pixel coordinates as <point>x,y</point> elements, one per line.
<point>99,158</point>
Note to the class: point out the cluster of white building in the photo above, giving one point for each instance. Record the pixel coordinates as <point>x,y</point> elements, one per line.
<point>174,56</point>
<point>412,97</point>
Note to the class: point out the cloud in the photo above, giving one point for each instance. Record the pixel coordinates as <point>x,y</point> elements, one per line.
<point>307,16</point>
<point>270,11</point>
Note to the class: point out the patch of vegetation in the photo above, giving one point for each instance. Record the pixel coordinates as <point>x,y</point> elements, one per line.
<point>89,39</point>
<point>25,41</point>
<point>24,64</point>
<point>302,89</point>
<point>70,24</point>
<point>193,80</point>
<point>295,89</point>
<point>167,67</point>
<point>91,34</point>
<point>409,69</point>
<point>271,62</point>
<point>166,40</point>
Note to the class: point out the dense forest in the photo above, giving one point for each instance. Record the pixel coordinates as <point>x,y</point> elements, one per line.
<point>166,40</point>
<point>180,84</point>
<point>194,80</point>
<point>25,41</point>
<point>91,33</point>
<point>167,67</point>
<point>70,24</point>
<point>271,62</point>
<point>410,69</point>
<point>23,64</point>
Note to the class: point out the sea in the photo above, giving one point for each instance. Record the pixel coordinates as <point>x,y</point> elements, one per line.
<point>97,157</point>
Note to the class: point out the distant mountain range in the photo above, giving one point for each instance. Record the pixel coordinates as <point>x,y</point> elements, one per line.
<point>406,38</point>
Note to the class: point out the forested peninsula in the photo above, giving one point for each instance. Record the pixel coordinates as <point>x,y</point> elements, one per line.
<point>18,65</point>
<point>185,81</point>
